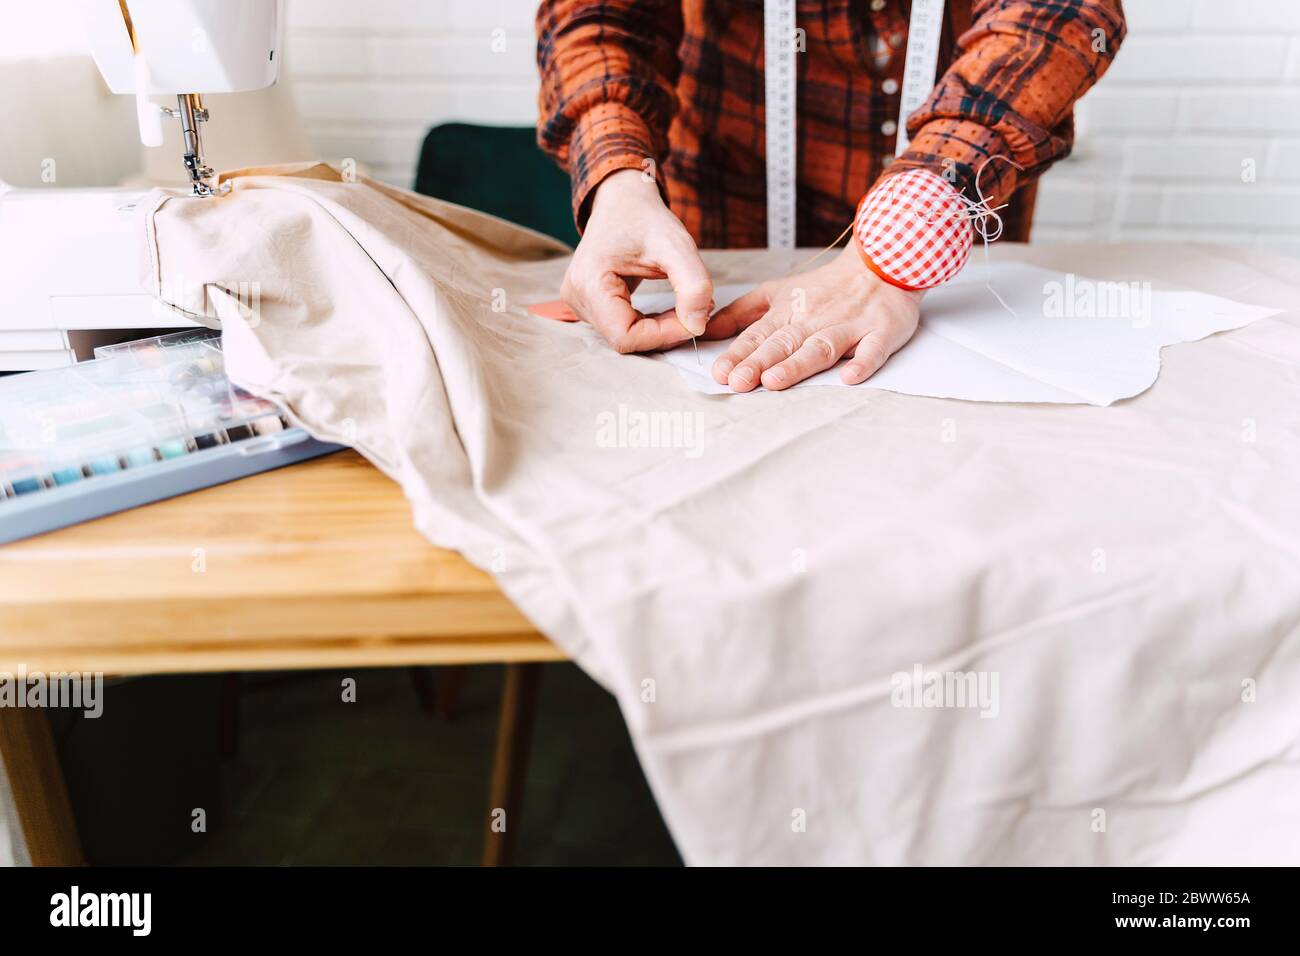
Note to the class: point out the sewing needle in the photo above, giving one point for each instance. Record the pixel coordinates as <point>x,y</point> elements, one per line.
<point>693,342</point>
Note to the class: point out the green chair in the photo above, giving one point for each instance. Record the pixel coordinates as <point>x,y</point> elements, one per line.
<point>498,170</point>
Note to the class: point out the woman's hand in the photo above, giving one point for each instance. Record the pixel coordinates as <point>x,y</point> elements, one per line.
<point>631,235</point>
<point>801,325</point>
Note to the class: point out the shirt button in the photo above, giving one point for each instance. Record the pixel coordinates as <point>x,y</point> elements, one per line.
<point>890,86</point>
<point>896,40</point>
<point>886,162</point>
<point>877,5</point>
<point>889,127</point>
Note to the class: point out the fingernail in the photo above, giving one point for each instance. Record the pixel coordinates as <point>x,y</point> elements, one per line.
<point>744,374</point>
<point>853,371</point>
<point>724,366</point>
<point>696,321</point>
<point>777,375</point>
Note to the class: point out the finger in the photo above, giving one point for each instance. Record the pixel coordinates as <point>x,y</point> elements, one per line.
<point>872,352</point>
<point>742,348</point>
<point>603,301</point>
<point>740,314</point>
<point>606,303</point>
<point>819,351</point>
<point>627,330</point>
<point>651,333</point>
<point>692,287</point>
<point>780,343</point>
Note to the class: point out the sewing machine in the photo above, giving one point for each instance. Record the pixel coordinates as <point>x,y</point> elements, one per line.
<point>183,48</point>
<point>70,259</point>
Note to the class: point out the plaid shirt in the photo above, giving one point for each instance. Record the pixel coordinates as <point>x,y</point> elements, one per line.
<point>676,86</point>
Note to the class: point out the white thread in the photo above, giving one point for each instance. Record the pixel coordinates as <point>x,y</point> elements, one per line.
<point>987,212</point>
<point>978,213</point>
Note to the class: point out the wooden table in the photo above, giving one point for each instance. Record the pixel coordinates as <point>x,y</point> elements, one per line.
<point>311,566</point>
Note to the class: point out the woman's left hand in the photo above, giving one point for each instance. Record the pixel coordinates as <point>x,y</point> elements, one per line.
<point>801,325</point>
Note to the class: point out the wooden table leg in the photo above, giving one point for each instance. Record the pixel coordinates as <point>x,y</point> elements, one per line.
<point>451,681</point>
<point>231,686</point>
<point>424,691</point>
<point>510,766</point>
<point>36,782</point>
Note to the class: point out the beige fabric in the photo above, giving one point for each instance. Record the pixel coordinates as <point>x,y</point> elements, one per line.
<point>1122,572</point>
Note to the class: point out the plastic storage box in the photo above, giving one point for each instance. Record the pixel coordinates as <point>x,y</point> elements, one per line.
<point>142,421</point>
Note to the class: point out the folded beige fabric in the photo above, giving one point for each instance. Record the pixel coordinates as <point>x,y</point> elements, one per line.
<point>843,625</point>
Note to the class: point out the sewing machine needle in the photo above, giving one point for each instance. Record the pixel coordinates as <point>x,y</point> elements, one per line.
<point>697,352</point>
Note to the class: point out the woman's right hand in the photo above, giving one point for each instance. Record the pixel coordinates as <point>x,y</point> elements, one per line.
<point>631,235</point>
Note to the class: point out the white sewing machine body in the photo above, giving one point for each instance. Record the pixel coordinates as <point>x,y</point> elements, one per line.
<point>185,48</point>
<point>70,261</point>
<point>190,46</point>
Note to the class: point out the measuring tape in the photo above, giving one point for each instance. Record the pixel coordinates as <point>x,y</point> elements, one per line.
<point>779,80</point>
<point>779,92</point>
<point>923,32</point>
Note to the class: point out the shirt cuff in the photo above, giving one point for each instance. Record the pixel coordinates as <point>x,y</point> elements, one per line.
<point>607,138</point>
<point>913,230</point>
<point>961,152</point>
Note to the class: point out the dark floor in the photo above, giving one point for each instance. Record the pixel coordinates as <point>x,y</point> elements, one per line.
<point>317,781</point>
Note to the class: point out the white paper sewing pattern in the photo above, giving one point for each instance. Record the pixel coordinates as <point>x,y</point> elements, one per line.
<point>1071,340</point>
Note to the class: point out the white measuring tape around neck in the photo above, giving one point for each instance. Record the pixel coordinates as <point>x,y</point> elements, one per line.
<point>779,88</point>
<point>923,32</point>
<point>779,74</point>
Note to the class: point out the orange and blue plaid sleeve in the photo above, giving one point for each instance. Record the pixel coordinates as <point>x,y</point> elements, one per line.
<point>608,75</point>
<point>1011,92</point>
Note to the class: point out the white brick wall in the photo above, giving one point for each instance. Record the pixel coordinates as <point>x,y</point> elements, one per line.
<point>1202,91</point>
<point>371,77</point>
<point>1200,88</point>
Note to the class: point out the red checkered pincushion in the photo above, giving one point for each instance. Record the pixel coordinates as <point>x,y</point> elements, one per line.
<point>912,230</point>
